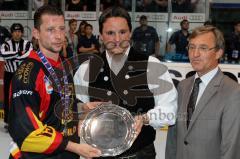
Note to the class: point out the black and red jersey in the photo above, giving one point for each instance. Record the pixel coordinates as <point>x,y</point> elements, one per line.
<point>34,121</point>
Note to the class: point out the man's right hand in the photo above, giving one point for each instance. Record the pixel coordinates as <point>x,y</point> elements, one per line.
<point>84,150</point>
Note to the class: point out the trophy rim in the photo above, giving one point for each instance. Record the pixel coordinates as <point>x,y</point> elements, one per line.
<point>121,113</point>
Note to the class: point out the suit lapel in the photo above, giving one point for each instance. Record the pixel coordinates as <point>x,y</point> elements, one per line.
<point>208,93</point>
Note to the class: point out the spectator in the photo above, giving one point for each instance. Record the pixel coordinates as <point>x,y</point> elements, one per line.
<point>38,3</point>
<point>13,52</point>
<point>104,4</point>
<point>180,39</point>
<point>14,5</point>
<point>198,6</point>
<point>71,35</point>
<point>4,35</point>
<point>76,5</point>
<point>181,6</point>
<point>81,29</point>
<point>126,4</point>
<point>91,5</point>
<point>88,43</point>
<point>146,6</point>
<point>54,3</point>
<point>233,44</point>
<point>162,5</point>
<point>145,38</point>
<point>67,51</point>
<point>35,43</point>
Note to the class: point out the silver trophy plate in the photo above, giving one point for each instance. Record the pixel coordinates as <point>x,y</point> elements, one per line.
<point>109,128</point>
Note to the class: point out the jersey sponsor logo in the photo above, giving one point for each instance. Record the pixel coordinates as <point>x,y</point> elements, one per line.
<point>22,92</point>
<point>23,73</point>
<point>48,85</point>
<point>47,132</point>
<point>71,131</point>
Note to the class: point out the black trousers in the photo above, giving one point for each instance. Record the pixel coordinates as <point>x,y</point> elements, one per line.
<point>147,152</point>
<point>7,81</point>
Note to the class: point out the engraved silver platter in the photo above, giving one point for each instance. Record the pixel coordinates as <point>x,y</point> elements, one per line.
<point>109,128</point>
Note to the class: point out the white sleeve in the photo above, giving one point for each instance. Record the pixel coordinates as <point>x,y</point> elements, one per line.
<point>81,81</point>
<point>27,51</point>
<point>165,97</point>
<point>7,54</point>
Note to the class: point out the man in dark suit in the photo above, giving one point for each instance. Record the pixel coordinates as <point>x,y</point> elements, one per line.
<point>210,128</point>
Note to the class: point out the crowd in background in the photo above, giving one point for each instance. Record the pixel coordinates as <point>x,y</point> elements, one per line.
<point>203,48</point>
<point>80,39</point>
<point>176,42</point>
<point>184,6</point>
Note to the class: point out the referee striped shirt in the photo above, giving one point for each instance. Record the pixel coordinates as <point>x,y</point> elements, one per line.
<point>11,52</point>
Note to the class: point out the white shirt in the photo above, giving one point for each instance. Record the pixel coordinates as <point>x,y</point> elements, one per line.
<point>10,53</point>
<point>205,80</point>
<point>164,111</point>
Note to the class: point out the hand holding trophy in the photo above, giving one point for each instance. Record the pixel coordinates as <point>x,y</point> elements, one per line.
<point>109,128</point>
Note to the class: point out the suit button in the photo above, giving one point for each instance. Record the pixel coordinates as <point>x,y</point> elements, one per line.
<point>185,143</point>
